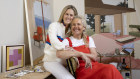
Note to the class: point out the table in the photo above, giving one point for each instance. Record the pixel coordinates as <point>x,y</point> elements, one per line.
<point>33,75</point>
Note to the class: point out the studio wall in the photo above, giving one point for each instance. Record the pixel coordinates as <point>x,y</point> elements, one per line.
<point>58,5</point>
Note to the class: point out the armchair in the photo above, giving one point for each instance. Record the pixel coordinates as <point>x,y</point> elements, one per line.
<point>38,36</point>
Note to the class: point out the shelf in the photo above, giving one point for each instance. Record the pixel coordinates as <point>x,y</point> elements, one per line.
<point>109,55</point>
<point>125,70</point>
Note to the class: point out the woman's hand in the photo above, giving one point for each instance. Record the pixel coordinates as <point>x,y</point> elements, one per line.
<point>87,61</point>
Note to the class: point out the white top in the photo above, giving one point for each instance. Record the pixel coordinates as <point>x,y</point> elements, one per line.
<point>76,42</point>
<point>55,29</point>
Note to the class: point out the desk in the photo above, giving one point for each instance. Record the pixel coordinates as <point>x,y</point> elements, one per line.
<point>28,76</point>
<point>33,75</point>
<point>120,55</point>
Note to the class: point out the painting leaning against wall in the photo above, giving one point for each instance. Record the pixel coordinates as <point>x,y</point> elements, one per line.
<point>13,57</point>
<point>38,17</point>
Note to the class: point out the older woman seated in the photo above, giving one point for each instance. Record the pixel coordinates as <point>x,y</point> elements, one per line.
<point>84,48</point>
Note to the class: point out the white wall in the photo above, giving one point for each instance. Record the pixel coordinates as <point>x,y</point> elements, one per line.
<point>58,5</point>
<point>0,59</point>
<point>11,22</point>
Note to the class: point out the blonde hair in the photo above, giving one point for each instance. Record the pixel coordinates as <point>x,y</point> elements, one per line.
<point>84,36</point>
<point>64,11</point>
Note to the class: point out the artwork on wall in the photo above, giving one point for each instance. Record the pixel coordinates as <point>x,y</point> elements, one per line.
<point>13,57</point>
<point>38,18</point>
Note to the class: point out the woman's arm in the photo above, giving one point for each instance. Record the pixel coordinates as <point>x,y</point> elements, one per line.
<point>93,53</point>
<point>65,54</point>
<point>92,47</point>
<point>52,31</point>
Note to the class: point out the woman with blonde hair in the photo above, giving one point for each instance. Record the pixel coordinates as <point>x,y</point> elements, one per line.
<point>85,49</point>
<point>56,32</point>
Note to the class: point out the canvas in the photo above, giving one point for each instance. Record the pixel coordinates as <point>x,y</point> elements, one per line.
<point>38,18</point>
<point>13,57</point>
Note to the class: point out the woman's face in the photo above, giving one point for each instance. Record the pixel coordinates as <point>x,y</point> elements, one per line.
<point>68,16</point>
<point>77,27</point>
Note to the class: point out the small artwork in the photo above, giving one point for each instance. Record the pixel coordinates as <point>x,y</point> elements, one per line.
<point>14,57</point>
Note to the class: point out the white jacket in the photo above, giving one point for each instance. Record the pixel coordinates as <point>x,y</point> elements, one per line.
<point>55,29</point>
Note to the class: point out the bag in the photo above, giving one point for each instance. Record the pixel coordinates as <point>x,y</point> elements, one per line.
<point>72,64</point>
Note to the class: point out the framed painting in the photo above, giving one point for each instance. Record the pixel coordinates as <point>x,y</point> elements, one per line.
<point>13,57</point>
<point>38,18</point>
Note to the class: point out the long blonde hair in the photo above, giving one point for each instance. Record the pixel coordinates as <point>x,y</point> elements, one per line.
<point>83,36</point>
<point>64,11</point>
